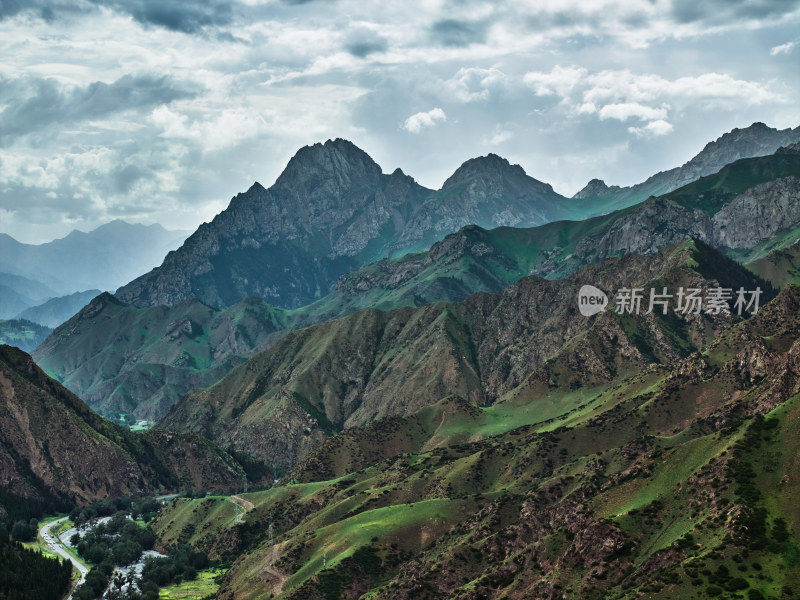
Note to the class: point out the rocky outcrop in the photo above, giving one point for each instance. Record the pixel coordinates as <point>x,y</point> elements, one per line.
<point>744,221</point>
<point>657,223</point>
<point>758,214</point>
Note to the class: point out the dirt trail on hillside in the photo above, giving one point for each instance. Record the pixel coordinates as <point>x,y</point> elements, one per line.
<point>279,577</point>
<point>245,505</point>
<point>268,570</point>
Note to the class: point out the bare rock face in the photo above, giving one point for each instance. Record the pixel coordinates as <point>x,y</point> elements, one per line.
<point>658,223</point>
<point>331,211</point>
<point>758,214</point>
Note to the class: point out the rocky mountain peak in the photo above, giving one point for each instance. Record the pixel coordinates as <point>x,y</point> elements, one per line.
<point>490,166</point>
<point>756,140</point>
<point>596,187</point>
<point>336,161</point>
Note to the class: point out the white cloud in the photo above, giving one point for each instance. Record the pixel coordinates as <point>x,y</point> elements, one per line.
<point>560,81</point>
<point>783,48</point>
<point>470,84</point>
<point>623,95</point>
<point>419,121</point>
<point>654,128</point>
<point>500,135</point>
<point>564,78</point>
<point>627,110</point>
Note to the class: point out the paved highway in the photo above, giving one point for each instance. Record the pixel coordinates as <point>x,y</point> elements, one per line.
<point>55,546</point>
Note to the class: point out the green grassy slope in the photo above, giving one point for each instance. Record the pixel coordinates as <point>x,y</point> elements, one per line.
<point>678,482</point>
<point>781,267</point>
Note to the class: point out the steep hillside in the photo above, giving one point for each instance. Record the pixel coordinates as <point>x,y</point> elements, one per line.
<point>756,140</point>
<point>676,482</point>
<point>780,267</point>
<point>749,208</point>
<point>122,359</point>
<point>348,372</point>
<point>55,450</point>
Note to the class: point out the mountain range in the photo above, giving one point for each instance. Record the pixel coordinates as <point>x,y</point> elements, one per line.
<point>757,140</point>
<point>19,293</point>
<point>432,413</point>
<point>746,210</point>
<point>333,210</point>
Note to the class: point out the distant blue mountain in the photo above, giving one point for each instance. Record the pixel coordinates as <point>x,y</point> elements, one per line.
<point>102,259</point>
<point>57,310</point>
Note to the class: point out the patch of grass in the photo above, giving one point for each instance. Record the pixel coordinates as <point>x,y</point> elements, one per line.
<point>342,539</point>
<point>183,521</point>
<point>205,586</point>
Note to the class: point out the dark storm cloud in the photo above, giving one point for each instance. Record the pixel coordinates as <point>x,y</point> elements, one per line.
<point>723,11</point>
<point>9,8</point>
<point>124,177</point>
<point>43,102</point>
<point>363,42</point>
<point>187,16</point>
<point>452,32</point>
<point>44,9</point>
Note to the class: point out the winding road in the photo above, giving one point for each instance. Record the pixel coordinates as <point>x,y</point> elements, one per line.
<point>56,546</point>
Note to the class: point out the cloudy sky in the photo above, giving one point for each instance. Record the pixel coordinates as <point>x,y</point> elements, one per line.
<point>156,111</point>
